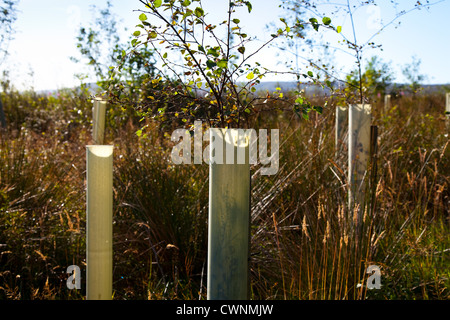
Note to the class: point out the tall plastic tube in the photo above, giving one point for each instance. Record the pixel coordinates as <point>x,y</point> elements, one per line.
<point>98,121</point>
<point>341,131</point>
<point>387,102</point>
<point>99,241</point>
<point>229,216</point>
<point>359,152</point>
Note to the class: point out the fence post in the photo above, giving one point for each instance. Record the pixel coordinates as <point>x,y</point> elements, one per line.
<point>387,102</point>
<point>2,115</point>
<point>99,203</point>
<point>373,164</point>
<point>359,154</point>
<point>447,105</point>
<point>229,216</point>
<point>98,120</point>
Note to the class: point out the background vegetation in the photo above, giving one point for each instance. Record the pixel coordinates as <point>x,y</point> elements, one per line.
<point>302,244</point>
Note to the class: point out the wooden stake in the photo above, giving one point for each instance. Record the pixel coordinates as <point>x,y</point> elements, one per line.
<point>447,105</point>
<point>373,163</point>
<point>2,115</point>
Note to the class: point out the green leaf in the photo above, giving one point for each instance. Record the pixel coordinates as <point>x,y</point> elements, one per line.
<point>310,74</point>
<point>213,52</point>
<point>210,64</point>
<point>318,109</point>
<point>249,6</point>
<point>142,17</point>
<point>241,50</point>
<point>338,29</point>
<point>314,23</point>
<point>136,33</point>
<point>165,55</point>
<point>153,35</point>
<point>222,64</point>
<point>157,3</point>
<point>250,76</point>
<point>236,21</point>
<point>299,100</point>
<point>326,21</point>
<point>199,12</point>
<point>185,3</point>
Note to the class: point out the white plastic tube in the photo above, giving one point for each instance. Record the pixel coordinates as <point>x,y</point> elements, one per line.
<point>99,206</point>
<point>341,132</point>
<point>229,216</point>
<point>98,121</point>
<point>387,102</point>
<point>359,151</point>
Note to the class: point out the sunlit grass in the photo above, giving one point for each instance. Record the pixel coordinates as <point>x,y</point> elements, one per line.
<point>303,244</point>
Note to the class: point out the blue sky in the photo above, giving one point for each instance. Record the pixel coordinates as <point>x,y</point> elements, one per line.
<point>46,31</point>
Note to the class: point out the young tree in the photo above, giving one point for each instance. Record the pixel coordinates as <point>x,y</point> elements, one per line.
<point>100,45</point>
<point>212,63</point>
<point>306,41</point>
<point>375,79</point>
<point>103,49</point>
<point>411,71</point>
<point>349,41</point>
<point>8,15</point>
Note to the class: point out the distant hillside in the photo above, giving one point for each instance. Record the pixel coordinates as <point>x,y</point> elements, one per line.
<point>308,88</point>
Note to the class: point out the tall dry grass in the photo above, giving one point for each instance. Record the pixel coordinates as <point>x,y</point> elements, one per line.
<point>303,244</point>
